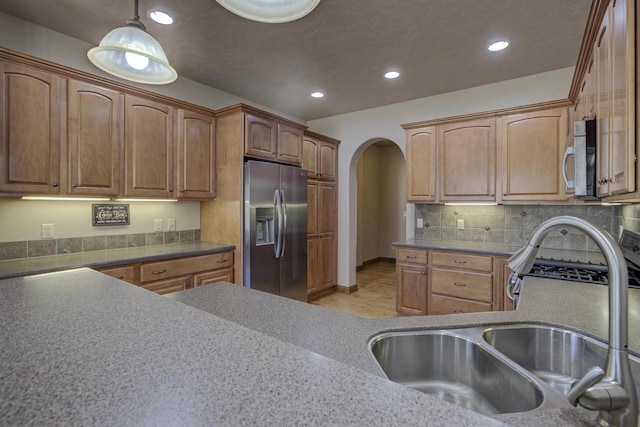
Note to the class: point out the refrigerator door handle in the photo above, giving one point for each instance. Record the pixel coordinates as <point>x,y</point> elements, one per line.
<point>284,224</point>
<point>277,206</point>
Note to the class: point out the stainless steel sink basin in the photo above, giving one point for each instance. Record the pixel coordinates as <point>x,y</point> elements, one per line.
<point>557,356</point>
<point>456,368</point>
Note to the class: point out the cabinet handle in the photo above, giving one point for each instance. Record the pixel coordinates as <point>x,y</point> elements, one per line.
<point>220,261</point>
<point>164,270</point>
<point>182,190</point>
<point>171,190</point>
<point>54,184</point>
<point>199,282</point>
<point>457,261</point>
<point>121,277</point>
<point>411,257</point>
<point>187,285</point>
<point>459,284</point>
<point>458,311</point>
<point>74,185</point>
<point>424,273</point>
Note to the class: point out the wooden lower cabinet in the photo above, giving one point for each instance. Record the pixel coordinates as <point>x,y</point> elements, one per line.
<point>321,263</point>
<point>440,282</point>
<point>178,274</point>
<point>501,282</point>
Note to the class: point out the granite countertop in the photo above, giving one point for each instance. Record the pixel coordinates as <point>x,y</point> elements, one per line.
<point>501,250</point>
<point>105,258</point>
<point>84,348</point>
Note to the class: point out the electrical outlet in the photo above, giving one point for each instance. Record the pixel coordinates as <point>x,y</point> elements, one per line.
<point>157,225</point>
<point>171,224</point>
<point>460,224</point>
<point>47,231</point>
<point>420,223</point>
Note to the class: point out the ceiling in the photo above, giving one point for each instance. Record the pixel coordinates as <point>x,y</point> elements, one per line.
<point>342,48</point>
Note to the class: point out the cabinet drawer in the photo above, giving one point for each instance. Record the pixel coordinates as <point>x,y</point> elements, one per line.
<point>477,286</point>
<point>411,256</point>
<point>448,305</point>
<point>177,267</point>
<point>126,273</point>
<point>462,261</point>
<point>169,285</point>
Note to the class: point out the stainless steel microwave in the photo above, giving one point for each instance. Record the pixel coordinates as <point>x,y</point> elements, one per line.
<point>583,180</point>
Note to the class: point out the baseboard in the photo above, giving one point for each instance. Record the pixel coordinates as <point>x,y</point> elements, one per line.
<point>321,293</point>
<point>346,289</point>
<point>374,261</point>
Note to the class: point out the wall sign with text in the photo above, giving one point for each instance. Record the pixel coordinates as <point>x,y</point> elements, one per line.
<point>107,214</point>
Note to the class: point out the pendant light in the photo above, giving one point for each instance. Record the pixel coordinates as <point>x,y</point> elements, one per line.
<point>129,52</point>
<point>270,11</point>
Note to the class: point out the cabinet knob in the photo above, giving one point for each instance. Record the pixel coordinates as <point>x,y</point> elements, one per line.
<point>74,185</point>
<point>54,184</point>
<point>431,195</point>
<point>199,282</point>
<point>424,273</point>
<point>504,194</point>
<point>182,190</point>
<point>492,195</point>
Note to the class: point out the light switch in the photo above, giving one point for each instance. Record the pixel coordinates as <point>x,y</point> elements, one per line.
<point>460,224</point>
<point>420,223</point>
<point>171,224</point>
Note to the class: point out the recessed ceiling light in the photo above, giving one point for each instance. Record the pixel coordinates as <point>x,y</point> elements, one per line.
<point>317,94</point>
<point>392,74</point>
<point>499,45</point>
<point>161,17</point>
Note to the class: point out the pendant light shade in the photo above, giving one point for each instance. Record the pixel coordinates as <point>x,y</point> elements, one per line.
<point>129,52</point>
<point>270,11</point>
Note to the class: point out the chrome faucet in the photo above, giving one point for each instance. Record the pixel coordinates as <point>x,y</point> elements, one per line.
<point>613,392</point>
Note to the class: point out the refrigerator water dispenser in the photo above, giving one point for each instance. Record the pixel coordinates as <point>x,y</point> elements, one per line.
<point>264,226</point>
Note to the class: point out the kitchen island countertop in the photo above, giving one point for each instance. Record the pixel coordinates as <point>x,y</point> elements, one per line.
<point>79,347</point>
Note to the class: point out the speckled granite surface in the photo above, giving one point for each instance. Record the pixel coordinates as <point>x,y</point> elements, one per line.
<point>500,249</point>
<point>80,348</point>
<point>342,337</point>
<point>96,259</point>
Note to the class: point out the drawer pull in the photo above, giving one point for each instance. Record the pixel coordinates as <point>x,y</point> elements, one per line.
<point>164,270</point>
<point>459,284</point>
<point>458,311</point>
<point>220,261</point>
<point>457,261</point>
<point>411,257</point>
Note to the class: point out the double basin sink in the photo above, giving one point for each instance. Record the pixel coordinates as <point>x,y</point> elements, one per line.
<point>492,370</point>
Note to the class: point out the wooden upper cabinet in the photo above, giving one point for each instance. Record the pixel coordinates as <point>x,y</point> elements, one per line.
<point>531,148</point>
<point>30,116</point>
<point>467,161</point>
<point>260,137</point>
<point>95,137</point>
<point>289,144</point>
<point>421,164</point>
<point>148,148</point>
<point>621,169</point>
<point>196,151</point>
<point>319,158</point>
<point>602,55</point>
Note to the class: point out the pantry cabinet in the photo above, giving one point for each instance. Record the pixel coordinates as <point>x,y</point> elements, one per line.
<point>319,156</point>
<point>321,235</point>
<point>30,120</point>
<point>95,139</point>
<point>195,156</point>
<point>531,147</point>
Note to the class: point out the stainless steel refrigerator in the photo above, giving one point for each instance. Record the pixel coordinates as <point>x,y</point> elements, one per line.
<point>275,229</point>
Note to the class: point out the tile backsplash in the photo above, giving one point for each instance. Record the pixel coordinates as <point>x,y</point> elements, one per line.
<point>36,248</point>
<point>513,224</point>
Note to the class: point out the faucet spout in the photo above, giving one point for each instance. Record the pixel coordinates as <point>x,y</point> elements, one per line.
<point>618,370</point>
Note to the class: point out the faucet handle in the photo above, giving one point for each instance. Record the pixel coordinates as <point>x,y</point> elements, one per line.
<point>590,378</point>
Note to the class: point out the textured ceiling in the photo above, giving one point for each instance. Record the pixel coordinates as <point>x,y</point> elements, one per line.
<point>342,48</point>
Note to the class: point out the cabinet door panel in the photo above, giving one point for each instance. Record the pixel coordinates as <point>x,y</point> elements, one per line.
<point>411,293</point>
<point>312,207</point>
<point>309,154</point>
<point>326,261</point>
<point>167,286</point>
<point>603,88</point>
<point>94,139</point>
<point>30,125</point>
<point>148,148</point>
<point>289,144</point>
<point>327,160</point>
<point>532,146</point>
<point>127,273</point>
<point>312,264</point>
<point>260,137</point>
<point>209,277</point>
<point>196,156</point>
<point>421,165</point>
<point>467,155</point>
<point>326,207</point>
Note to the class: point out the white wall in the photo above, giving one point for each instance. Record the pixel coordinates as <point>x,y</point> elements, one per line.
<point>354,129</point>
